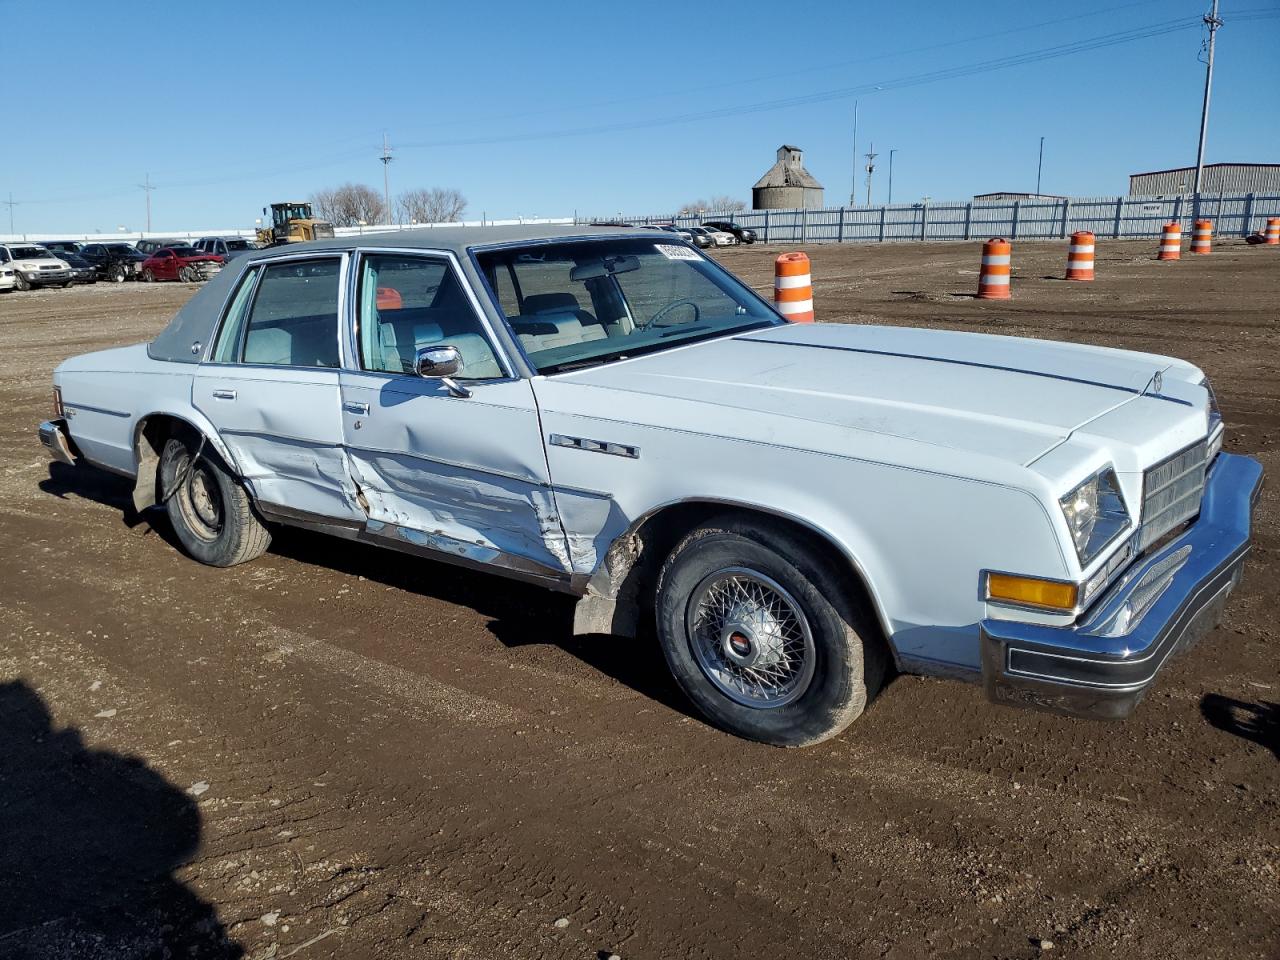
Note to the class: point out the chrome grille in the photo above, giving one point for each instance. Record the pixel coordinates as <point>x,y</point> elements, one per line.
<point>1171,492</point>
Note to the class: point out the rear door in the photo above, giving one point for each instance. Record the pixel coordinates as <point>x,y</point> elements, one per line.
<point>455,472</point>
<point>271,386</point>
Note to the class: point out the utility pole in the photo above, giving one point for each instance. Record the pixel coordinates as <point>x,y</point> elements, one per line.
<point>1213,23</point>
<point>11,203</point>
<point>386,159</point>
<point>871,168</point>
<point>147,188</point>
<point>891,153</point>
<point>1039,166</point>
<point>853,187</point>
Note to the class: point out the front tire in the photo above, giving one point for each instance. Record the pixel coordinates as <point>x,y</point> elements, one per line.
<point>21,282</point>
<point>762,637</point>
<point>148,276</point>
<point>210,511</point>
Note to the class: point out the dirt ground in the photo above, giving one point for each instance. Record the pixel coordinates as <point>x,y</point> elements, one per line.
<point>336,751</point>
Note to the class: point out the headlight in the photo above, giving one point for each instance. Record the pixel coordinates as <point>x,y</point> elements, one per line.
<point>1095,513</point>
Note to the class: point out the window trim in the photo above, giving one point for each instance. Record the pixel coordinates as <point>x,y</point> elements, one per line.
<point>358,256</point>
<point>342,256</point>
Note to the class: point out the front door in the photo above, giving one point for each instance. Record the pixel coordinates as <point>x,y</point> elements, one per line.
<point>439,472</point>
<point>271,387</point>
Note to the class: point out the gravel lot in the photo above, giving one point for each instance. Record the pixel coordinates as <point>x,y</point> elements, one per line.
<point>336,751</point>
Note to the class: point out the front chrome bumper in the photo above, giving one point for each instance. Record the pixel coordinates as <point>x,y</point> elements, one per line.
<point>1102,666</point>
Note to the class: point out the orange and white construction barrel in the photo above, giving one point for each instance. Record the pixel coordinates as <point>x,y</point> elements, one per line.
<point>1273,231</point>
<point>793,287</point>
<point>1080,256</point>
<point>1202,238</point>
<point>993,278</point>
<point>1170,242</point>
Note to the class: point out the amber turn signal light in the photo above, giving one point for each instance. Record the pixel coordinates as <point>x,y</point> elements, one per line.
<point>1031,591</point>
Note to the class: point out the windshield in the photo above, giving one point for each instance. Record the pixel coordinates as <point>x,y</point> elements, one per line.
<point>186,252</point>
<point>591,301</point>
<point>240,245</point>
<point>122,248</point>
<point>30,253</point>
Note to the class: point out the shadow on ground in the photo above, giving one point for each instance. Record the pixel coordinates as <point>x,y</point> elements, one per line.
<point>89,842</point>
<point>1259,722</point>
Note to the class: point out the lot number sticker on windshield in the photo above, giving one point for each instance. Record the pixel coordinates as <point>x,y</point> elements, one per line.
<point>676,253</point>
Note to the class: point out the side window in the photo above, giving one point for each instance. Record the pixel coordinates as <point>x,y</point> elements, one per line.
<point>409,303</point>
<point>294,318</point>
<point>227,349</point>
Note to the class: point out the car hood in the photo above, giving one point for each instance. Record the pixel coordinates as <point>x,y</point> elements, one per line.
<point>1005,397</point>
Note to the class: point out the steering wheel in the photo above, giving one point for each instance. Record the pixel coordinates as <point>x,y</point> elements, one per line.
<point>697,313</point>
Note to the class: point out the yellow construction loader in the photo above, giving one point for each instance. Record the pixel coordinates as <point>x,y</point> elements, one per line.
<point>292,222</point>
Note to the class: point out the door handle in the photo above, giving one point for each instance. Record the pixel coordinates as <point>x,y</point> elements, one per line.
<point>356,407</point>
<point>224,394</point>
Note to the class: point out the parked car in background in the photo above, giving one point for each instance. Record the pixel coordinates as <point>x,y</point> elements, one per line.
<point>148,247</point>
<point>34,266</point>
<point>743,234</point>
<point>82,271</point>
<point>682,232</point>
<point>799,508</point>
<point>701,237</point>
<point>59,247</point>
<point>116,261</point>
<point>721,238</point>
<point>180,263</point>
<point>226,247</point>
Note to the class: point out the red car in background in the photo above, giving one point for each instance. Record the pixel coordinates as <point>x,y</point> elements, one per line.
<point>180,263</point>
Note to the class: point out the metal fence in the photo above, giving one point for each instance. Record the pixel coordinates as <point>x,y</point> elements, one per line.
<point>1032,219</point>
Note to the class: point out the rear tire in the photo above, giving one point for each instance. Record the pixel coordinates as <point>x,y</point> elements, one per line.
<point>211,512</point>
<point>761,635</point>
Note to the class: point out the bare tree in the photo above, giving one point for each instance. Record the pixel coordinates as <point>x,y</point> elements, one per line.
<point>349,205</point>
<point>720,204</point>
<point>434,205</point>
<point>725,204</point>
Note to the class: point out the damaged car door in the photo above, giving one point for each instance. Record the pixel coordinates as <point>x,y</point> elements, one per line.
<point>270,386</point>
<point>450,463</point>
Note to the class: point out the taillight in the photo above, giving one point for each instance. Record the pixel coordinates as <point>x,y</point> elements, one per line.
<point>57,403</point>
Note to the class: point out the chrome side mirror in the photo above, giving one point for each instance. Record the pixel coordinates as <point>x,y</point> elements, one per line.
<point>438,362</point>
<point>441,363</point>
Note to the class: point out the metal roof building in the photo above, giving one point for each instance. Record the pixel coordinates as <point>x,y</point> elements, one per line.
<point>787,185</point>
<point>1233,178</point>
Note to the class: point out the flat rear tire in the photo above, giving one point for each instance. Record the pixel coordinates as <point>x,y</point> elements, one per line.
<point>211,513</point>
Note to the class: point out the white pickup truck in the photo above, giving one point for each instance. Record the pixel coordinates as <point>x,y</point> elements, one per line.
<point>794,508</point>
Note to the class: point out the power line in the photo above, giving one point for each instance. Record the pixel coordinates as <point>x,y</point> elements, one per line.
<point>951,73</point>
<point>958,72</point>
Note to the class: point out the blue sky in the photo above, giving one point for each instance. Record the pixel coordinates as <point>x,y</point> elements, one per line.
<point>544,109</point>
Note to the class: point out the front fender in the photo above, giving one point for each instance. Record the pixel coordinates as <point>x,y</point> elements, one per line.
<point>918,539</point>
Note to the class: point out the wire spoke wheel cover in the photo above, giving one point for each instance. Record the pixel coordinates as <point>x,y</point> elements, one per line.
<point>751,638</point>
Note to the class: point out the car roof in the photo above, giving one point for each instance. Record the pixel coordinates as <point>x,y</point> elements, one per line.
<point>457,239</point>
